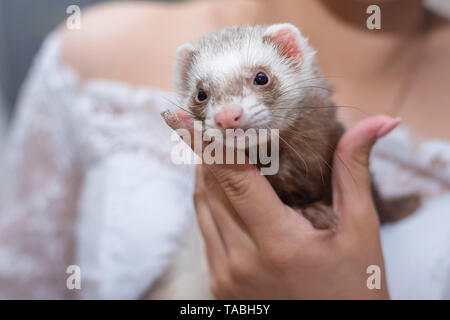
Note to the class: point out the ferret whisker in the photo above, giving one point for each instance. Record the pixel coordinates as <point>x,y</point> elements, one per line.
<point>322,107</point>
<point>343,163</point>
<point>258,121</point>
<point>354,108</point>
<point>307,87</point>
<point>315,154</point>
<point>253,106</point>
<point>294,130</point>
<point>201,114</point>
<point>320,158</point>
<point>320,78</point>
<point>294,118</point>
<point>178,106</point>
<point>248,47</point>
<point>332,150</point>
<point>258,112</point>
<point>295,151</point>
<point>285,117</point>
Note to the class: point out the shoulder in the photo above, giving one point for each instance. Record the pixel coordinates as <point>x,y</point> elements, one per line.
<point>429,90</point>
<point>116,40</point>
<point>122,41</point>
<point>438,40</point>
<point>437,57</point>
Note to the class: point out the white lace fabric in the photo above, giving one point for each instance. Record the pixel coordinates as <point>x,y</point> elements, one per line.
<point>88,180</point>
<point>417,248</point>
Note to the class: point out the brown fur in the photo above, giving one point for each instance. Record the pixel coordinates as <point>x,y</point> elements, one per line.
<point>311,190</point>
<point>309,129</point>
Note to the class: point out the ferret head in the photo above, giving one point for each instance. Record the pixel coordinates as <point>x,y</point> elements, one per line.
<point>248,77</point>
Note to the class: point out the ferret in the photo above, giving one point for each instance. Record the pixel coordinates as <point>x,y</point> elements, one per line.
<point>267,77</point>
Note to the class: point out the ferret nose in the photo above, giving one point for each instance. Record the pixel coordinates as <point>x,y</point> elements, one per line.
<point>229,117</point>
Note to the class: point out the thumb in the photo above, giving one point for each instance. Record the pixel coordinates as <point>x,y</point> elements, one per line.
<point>351,175</point>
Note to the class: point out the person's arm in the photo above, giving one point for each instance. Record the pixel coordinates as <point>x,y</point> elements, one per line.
<point>257,247</point>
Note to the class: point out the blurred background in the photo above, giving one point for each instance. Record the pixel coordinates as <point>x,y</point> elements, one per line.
<point>24,24</point>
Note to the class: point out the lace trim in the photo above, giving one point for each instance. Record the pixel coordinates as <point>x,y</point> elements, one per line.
<point>83,162</point>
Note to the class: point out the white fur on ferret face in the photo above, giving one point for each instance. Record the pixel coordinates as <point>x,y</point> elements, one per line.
<point>225,63</point>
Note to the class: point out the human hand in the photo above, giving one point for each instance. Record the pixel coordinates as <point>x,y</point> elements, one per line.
<point>257,247</point>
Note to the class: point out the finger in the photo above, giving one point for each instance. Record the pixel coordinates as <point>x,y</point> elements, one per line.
<point>351,175</point>
<point>250,194</point>
<point>254,199</point>
<point>188,130</point>
<point>177,119</point>
<point>231,227</point>
<point>215,249</point>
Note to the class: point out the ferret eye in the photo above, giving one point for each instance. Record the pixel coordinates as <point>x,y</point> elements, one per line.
<point>201,95</point>
<point>261,79</point>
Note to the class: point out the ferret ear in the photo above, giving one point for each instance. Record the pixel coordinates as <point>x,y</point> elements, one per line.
<point>287,38</point>
<point>183,61</point>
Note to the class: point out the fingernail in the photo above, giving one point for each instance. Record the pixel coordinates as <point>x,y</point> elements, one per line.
<point>388,127</point>
<point>172,120</point>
